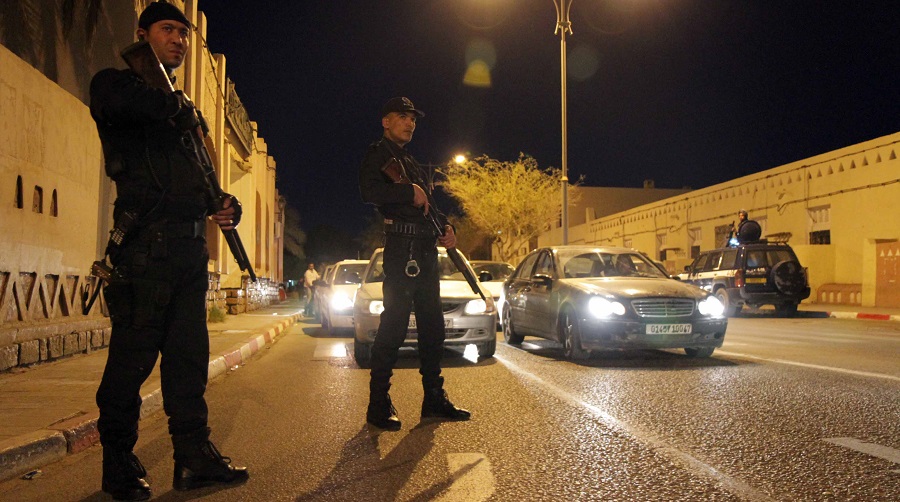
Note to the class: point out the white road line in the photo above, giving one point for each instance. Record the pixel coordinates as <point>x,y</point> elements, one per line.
<point>814,366</point>
<point>682,458</point>
<point>873,449</point>
<point>473,480</point>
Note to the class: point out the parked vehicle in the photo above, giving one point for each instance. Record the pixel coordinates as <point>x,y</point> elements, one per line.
<point>492,275</point>
<point>591,298</point>
<point>753,274</point>
<point>337,292</point>
<point>467,317</point>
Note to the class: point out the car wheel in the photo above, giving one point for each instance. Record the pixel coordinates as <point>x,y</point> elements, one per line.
<point>787,276</point>
<point>572,338</point>
<point>509,333</point>
<point>786,309</point>
<point>731,310</point>
<point>362,352</point>
<point>487,349</point>
<point>699,351</point>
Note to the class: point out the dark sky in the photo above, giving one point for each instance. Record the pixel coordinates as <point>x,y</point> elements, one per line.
<point>684,92</point>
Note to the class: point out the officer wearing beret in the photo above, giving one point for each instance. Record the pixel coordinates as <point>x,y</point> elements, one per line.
<point>157,293</point>
<point>408,237</point>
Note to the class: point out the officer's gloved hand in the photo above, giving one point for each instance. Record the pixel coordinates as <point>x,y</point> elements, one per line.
<point>238,210</point>
<point>185,118</point>
<point>230,215</point>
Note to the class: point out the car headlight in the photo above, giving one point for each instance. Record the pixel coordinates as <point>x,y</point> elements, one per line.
<point>476,307</point>
<point>376,307</point>
<point>601,307</point>
<point>340,301</point>
<point>711,306</point>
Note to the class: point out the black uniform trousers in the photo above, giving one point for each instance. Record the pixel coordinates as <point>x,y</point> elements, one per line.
<point>157,307</point>
<point>401,294</point>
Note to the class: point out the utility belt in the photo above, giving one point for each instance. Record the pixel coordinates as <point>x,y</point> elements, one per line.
<point>409,229</point>
<point>180,230</point>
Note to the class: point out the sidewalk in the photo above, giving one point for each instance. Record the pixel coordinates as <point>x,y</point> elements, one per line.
<point>48,411</point>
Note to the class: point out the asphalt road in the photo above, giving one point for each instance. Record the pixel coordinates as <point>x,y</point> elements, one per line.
<point>788,409</point>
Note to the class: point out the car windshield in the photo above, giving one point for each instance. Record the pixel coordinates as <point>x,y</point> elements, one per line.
<point>499,271</point>
<point>580,263</point>
<point>349,274</point>
<point>448,270</point>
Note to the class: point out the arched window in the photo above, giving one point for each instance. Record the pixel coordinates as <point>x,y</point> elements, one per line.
<point>37,202</point>
<point>54,207</point>
<point>20,202</point>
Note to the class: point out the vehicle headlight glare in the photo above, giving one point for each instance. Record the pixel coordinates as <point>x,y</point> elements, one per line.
<point>340,301</point>
<point>476,307</point>
<point>601,307</point>
<point>711,306</point>
<point>376,307</point>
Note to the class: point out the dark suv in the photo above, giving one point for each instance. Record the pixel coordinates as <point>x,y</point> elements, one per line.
<point>754,274</point>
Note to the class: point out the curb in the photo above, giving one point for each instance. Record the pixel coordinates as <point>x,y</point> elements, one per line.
<point>31,451</point>
<point>860,315</point>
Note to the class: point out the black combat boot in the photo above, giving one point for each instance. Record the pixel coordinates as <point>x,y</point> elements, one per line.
<point>198,463</point>
<point>123,474</point>
<point>436,404</point>
<point>381,412</point>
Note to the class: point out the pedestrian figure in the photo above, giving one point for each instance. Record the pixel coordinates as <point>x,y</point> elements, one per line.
<point>157,292</point>
<point>410,267</point>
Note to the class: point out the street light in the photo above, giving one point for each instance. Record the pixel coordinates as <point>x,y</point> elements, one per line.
<point>563,25</point>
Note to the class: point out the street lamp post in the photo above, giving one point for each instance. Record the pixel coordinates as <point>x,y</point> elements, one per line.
<point>563,25</point>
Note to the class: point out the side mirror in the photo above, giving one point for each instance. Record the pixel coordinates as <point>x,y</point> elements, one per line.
<point>485,276</point>
<point>542,280</point>
<point>687,268</point>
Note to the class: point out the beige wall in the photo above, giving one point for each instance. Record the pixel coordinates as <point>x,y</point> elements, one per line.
<point>860,185</point>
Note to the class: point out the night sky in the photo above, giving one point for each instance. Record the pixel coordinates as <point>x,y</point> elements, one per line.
<point>684,92</point>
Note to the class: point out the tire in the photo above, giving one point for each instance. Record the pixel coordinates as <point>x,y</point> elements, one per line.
<point>699,351</point>
<point>486,350</point>
<point>572,337</point>
<point>509,333</point>
<point>786,309</point>
<point>731,309</point>
<point>362,352</point>
<point>787,277</point>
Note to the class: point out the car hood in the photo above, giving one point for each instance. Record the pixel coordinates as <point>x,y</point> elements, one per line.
<point>635,287</point>
<point>449,289</point>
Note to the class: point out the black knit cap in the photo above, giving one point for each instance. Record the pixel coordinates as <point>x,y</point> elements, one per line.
<point>158,11</point>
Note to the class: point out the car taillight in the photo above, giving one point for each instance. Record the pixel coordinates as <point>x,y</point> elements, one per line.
<point>739,278</point>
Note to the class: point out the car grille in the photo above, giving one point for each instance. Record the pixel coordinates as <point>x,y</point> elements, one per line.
<point>446,307</point>
<point>663,307</point>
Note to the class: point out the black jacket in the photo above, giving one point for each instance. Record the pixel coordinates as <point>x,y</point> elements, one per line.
<point>155,173</point>
<point>394,200</point>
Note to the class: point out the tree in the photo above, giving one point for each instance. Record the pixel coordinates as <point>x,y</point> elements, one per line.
<point>512,201</point>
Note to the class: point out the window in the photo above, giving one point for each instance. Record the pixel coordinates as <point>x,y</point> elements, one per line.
<point>527,267</point>
<point>819,224</point>
<point>20,203</point>
<point>545,265</point>
<point>37,202</point>
<point>695,237</point>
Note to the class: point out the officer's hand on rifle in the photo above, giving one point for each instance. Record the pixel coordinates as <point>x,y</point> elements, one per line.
<point>419,197</point>
<point>448,240</point>
<point>230,215</point>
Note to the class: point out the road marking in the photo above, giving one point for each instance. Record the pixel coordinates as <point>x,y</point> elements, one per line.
<point>872,449</point>
<point>658,444</point>
<point>329,349</point>
<point>813,366</point>
<point>472,478</point>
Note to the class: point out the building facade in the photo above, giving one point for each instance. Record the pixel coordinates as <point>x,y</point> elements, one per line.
<point>56,209</point>
<point>835,209</point>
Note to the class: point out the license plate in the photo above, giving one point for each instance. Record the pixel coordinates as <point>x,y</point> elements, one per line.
<point>448,323</point>
<point>669,329</point>
<point>755,280</point>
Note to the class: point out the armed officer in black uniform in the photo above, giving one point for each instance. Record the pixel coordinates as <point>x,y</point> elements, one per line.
<point>411,275</point>
<point>157,293</point>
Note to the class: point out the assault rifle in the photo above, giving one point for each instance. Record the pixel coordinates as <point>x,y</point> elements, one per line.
<point>144,62</point>
<point>394,170</point>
